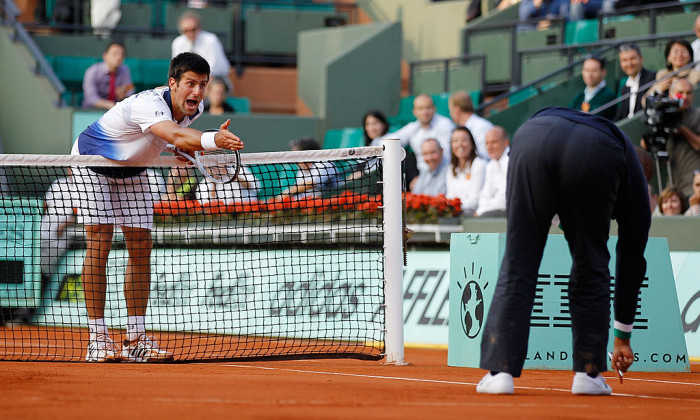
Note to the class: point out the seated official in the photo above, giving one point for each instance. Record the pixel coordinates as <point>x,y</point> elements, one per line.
<point>433,179</point>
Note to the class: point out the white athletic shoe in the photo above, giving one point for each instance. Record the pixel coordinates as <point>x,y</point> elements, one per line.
<point>585,385</point>
<point>102,349</point>
<point>145,350</point>
<point>500,383</point>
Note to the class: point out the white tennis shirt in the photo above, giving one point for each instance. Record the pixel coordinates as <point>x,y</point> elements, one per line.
<point>123,132</point>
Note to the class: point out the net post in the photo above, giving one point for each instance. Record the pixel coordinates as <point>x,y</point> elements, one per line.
<point>393,250</point>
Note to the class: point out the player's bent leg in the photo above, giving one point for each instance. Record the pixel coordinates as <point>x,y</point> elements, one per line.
<point>102,349</point>
<point>145,349</point>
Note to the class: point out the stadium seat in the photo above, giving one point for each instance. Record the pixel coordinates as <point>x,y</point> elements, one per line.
<point>343,138</point>
<point>240,104</point>
<point>581,32</point>
<point>153,73</point>
<point>71,70</point>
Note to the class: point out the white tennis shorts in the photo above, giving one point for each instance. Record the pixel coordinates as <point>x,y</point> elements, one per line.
<point>115,201</point>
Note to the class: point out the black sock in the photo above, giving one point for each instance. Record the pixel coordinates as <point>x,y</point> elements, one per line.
<point>592,375</point>
<point>494,373</point>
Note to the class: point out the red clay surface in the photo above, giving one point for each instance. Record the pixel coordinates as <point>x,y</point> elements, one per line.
<point>322,389</point>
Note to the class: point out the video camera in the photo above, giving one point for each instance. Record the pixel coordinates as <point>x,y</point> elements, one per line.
<point>663,117</point>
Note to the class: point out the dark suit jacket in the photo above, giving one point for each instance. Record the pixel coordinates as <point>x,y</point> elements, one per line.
<point>601,98</point>
<point>623,108</point>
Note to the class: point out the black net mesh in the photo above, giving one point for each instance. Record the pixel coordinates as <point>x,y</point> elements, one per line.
<point>286,262</point>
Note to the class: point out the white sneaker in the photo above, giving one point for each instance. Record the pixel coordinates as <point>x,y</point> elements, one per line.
<point>102,349</point>
<point>585,385</point>
<point>500,383</point>
<point>145,350</point>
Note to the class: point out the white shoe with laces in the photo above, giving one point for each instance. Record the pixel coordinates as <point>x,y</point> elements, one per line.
<point>102,349</point>
<point>500,383</point>
<point>145,350</point>
<point>585,385</point>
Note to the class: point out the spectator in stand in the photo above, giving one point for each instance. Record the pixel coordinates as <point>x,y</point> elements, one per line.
<point>684,145</point>
<point>589,9</point>
<point>465,173</point>
<point>696,44</point>
<point>694,201</point>
<point>632,64</point>
<point>544,10</point>
<point>462,113</point>
<point>492,199</point>
<point>672,202</point>
<point>596,94</point>
<point>374,125</point>
<point>428,124</point>
<point>195,39</point>
<point>104,16</point>
<point>217,92</point>
<point>678,53</point>
<point>432,181</point>
<point>109,81</point>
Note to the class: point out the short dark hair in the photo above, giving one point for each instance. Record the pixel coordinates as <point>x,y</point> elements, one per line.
<point>185,62</point>
<point>670,45</point>
<point>304,143</point>
<point>599,59</point>
<point>629,46</point>
<point>117,43</point>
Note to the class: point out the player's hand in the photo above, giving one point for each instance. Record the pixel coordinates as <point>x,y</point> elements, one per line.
<point>622,357</point>
<point>226,139</point>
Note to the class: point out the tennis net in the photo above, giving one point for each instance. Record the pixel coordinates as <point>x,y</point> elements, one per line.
<point>288,261</point>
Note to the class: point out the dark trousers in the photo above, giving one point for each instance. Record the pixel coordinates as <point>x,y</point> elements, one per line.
<point>556,167</point>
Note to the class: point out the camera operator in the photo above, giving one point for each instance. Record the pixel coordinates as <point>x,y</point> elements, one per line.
<point>684,143</point>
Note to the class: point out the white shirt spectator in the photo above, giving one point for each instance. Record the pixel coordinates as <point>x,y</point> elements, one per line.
<point>479,126</point>
<point>432,182</point>
<point>413,134</point>
<point>696,52</point>
<point>209,47</point>
<point>466,184</point>
<point>493,194</point>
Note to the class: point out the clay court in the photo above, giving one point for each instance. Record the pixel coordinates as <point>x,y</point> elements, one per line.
<point>321,389</point>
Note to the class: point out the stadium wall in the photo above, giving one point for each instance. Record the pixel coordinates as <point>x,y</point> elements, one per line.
<point>346,71</point>
<point>30,122</point>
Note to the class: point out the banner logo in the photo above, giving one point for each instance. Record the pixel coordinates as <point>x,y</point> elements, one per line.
<point>471,309</point>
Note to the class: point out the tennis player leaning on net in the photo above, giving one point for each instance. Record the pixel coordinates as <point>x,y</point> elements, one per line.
<point>136,129</point>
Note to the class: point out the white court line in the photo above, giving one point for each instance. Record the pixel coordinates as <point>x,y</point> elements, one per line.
<point>436,381</point>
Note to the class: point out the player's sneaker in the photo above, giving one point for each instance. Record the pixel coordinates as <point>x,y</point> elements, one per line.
<point>585,385</point>
<point>102,349</point>
<point>145,350</point>
<point>500,383</point>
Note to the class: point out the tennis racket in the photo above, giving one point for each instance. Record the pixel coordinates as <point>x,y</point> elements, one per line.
<point>220,166</point>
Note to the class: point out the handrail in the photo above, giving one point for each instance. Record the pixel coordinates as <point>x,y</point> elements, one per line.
<point>605,46</point>
<point>652,9</point>
<point>644,87</point>
<point>446,62</point>
<point>42,66</point>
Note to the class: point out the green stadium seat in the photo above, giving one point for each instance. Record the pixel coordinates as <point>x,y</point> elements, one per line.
<point>71,70</point>
<point>581,32</point>
<point>343,138</point>
<point>154,73</point>
<point>134,65</point>
<point>273,178</point>
<point>240,104</point>
<point>441,103</point>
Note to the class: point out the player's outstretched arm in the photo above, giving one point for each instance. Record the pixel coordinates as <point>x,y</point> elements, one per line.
<point>189,139</point>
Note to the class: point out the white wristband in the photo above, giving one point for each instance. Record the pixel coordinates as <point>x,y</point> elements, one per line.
<point>208,141</point>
